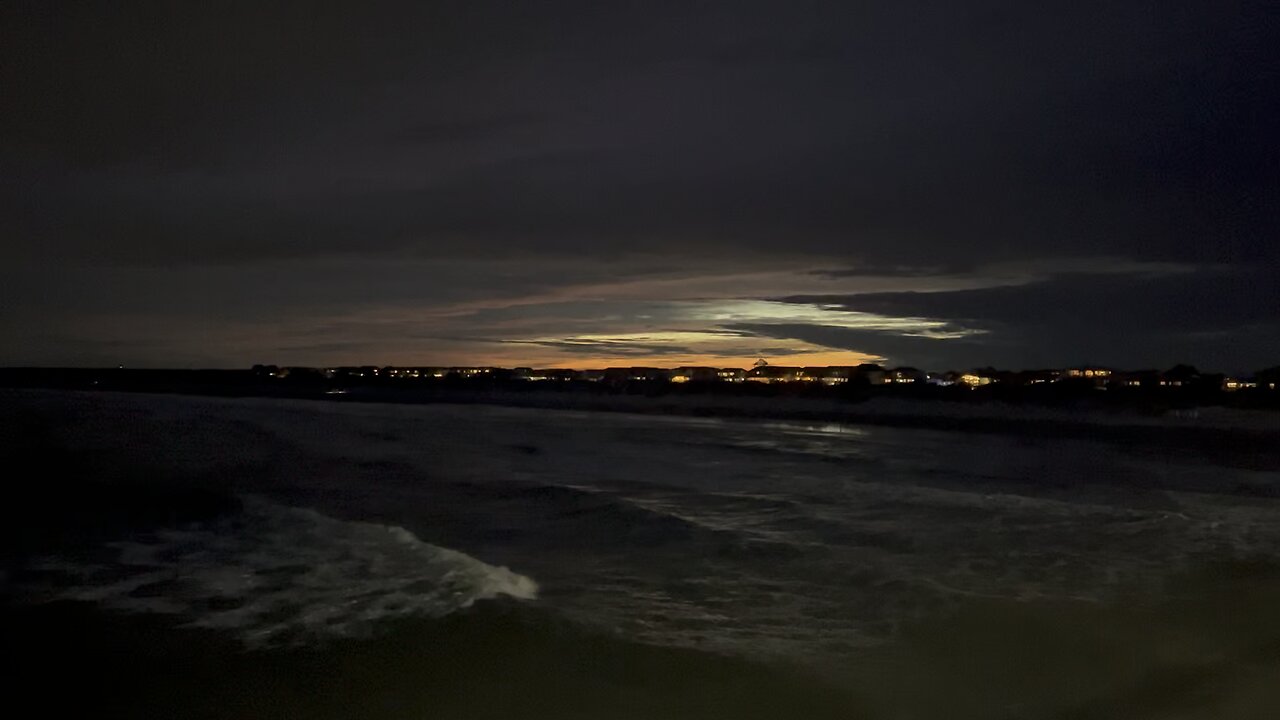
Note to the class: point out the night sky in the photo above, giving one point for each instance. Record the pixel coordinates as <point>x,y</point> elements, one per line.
<point>941,184</point>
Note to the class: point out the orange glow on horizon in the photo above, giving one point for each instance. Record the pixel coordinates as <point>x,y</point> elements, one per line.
<point>532,356</point>
<point>809,359</point>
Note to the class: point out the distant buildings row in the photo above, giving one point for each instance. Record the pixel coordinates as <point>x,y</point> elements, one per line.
<point>762,372</point>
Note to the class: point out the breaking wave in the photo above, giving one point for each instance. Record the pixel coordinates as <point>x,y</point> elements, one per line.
<point>283,575</point>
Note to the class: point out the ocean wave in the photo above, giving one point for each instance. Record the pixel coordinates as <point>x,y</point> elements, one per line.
<point>281,575</point>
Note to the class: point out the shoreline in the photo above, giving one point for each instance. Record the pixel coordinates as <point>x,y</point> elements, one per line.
<point>1250,437</point>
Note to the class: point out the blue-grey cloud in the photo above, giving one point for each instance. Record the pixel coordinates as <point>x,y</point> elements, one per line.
<point>1217,317</point>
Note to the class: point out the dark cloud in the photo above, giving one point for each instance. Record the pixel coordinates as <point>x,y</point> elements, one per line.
<point>1213,317</point>
<point>462,130</point>
<point>891,140</point>
<point>897,349</point>
<point>905,133</point>
<point>1213,299</point>
<point>610,348</point>
<point>639,348</point>
<point>911,271</point>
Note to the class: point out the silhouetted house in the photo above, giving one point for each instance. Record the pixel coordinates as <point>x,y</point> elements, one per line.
<point>1089,372</point>
<point>471,372</point>
<point>548,374</point>
<point>264,371</point>
<point>1180,376</point>
<point>869,373</point>
<point>693,374</point>
<point>1037,377</point>
<point>623,375</point>
<point>834,374</point>
<point>401,372</point>
<point>650,374</point>
<point>904,376</point>
<point>731,375</point>
<point>810,374</point>
<point>774,374</point>
<point>300,373</point>
<point>1135,379</point>
<point>979,377</point>
<point>617,375</point>
<point>1268,379</point>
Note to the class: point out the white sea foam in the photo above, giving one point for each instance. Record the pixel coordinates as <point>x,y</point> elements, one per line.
<point>276,574</point>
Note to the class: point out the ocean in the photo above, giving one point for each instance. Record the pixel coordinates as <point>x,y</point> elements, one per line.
<point>228,558</point>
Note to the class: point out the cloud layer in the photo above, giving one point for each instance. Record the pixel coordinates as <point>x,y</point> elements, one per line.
<point>462,182</point>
